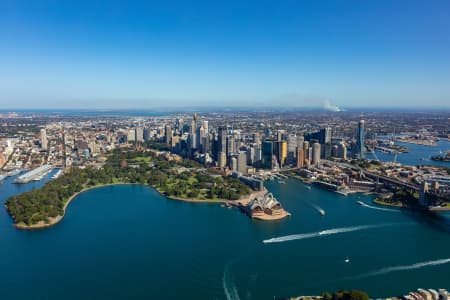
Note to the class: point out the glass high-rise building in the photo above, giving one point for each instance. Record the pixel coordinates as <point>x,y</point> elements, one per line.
<point>267,152</point>
<point>360,140</point>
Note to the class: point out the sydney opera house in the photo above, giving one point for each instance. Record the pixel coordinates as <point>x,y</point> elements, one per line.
<point>265,207</point>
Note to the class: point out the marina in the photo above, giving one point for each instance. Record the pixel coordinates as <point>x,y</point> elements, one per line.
<point>34,175</point>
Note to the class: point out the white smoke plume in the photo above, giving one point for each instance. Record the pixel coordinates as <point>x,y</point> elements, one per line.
<point>328,106</point>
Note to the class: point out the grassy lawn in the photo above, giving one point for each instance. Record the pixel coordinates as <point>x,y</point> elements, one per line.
<point>143,159</point>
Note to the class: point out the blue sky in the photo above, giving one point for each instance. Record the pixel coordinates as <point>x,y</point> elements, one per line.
<point>129,54</point>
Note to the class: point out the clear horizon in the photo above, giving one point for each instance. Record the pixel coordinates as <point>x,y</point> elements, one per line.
<point>309,54</point>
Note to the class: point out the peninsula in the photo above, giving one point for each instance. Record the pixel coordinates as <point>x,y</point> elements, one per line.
<point>181,179</point>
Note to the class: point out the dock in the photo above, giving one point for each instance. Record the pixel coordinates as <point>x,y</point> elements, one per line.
<point>36,174</point>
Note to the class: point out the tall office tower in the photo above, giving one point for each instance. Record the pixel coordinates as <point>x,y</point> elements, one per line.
<point>234,166</point>
<point>206,145</point>
<point>300,157</point>
<point>230,146</point>
<point>359,151</point>
<point>200,135</point>
<point>222,161</point>
<point>282,152</point>
<point>242,162</point>
<point>251,155</point>
<point>205,125</point>
<point>267,132</point>
<point>179,125</point>
<point>306,151</point>
<point>168,134</point>
<point>327,135</point>
<point>222,140</point>
<point>335,151</point>
<point>258,155</point>
<point>237,143</point>
<point>44,141</point>
<point>266,155</point>
<point>139,134</point>
<point>316,154</point>
<point>279,135</point>
<point>342,151</point>
<point>256,138</point>
<point>131,136</point>
<point>193,135</point>
<point>300,140</point>
<point>147,133</point>
<point>292,143</point>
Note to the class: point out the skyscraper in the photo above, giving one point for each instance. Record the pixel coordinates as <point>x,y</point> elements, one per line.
<point>193,134</point>
<point>168,134</point>
<point>316,154</point>
<point>342,151</point>
<point>131,136</point>
<point>300,157</point>
<point>139,134</point>
<point>282,152</point>
<point>306,152</point>
<point>222,161</point>
<point>242,162</point>
<point>359,151</point>
<point>205,125</point>
<point>267,152</point>
<point>44,141</point>
<point>222,139</point>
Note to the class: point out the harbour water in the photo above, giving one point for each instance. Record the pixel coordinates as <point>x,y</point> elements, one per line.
<point>128,242</point>
<point>417,154</point>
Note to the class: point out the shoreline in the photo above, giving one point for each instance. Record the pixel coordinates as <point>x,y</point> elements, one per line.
<point>401,206</point>
<point>57,219</point>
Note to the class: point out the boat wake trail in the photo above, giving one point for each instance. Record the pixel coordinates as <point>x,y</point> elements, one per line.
<point>405,268</point>
<point>228,285</point>
<point>319,209</point>
<point>322,233</point>
<point>378,208</point>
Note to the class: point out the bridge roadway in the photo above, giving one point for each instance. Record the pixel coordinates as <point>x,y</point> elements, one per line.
<point>368,174</point>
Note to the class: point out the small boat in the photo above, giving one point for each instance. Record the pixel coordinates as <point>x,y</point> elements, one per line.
<point>347,260</point>
<point>322,212</point>
<point>360,202</point>
<point>308,187</point>
<point>282,181</point>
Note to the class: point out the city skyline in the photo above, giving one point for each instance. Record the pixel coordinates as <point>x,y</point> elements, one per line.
<point>310,54</point>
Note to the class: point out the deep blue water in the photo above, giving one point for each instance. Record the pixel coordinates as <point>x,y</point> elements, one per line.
<point>417,155</point>
<point>128,242</point>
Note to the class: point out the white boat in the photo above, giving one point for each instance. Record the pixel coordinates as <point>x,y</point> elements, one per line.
<point>347,260</point>
<point>13,172</point>
<point>360,202</point>
<point>322,212</point>
<point>282,181</point>
<point>308,187</point>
